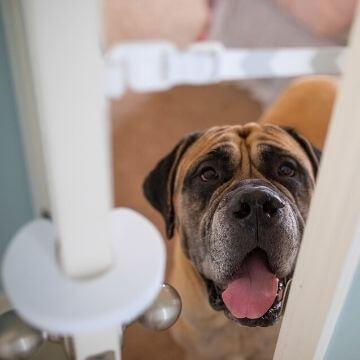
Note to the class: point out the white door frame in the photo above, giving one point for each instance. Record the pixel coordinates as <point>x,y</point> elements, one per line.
<point>330,249</point>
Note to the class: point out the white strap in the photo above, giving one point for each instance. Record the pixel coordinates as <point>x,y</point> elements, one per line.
<point>155,66</point>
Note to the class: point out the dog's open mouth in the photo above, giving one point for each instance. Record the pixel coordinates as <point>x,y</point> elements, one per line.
<point>253,296</point>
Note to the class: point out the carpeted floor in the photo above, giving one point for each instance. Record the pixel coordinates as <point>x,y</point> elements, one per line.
<point>145,128</point>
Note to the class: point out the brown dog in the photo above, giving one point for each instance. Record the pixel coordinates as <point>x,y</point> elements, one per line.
<point>236,198</point>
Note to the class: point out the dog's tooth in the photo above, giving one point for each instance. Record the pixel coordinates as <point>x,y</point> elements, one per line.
<point>280,293</point>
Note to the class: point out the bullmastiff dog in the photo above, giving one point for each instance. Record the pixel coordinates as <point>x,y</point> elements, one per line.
<point>236,199</point>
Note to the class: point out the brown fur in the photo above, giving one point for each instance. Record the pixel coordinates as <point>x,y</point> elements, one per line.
<point>201,331</point>
<point>306,105</point>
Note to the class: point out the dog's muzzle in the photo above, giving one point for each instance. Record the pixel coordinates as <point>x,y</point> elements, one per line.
<point>255,238</point>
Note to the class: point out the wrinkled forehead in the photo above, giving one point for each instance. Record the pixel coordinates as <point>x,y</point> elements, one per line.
<point>241,140</point>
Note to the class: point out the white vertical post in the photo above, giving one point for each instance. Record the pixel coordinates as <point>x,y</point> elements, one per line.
<point>106,345</point>
<point>330,250</point>
<point>67,69</point>
<point>67,66</point>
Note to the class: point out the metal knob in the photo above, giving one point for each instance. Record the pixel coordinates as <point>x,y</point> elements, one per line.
<point>17,339</point>
<point>165,310</point>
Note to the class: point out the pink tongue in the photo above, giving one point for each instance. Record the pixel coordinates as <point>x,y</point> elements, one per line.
<point>252,294</point>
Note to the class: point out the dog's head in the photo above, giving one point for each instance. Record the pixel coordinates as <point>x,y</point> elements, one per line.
<point>238,196</point>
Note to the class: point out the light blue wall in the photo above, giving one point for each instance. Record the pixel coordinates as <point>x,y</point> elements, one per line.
<point>15,204</point>
<point>345,343</point>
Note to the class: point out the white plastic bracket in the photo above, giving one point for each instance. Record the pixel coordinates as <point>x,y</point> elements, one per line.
<point>155,66</point>
<point>98,307</point>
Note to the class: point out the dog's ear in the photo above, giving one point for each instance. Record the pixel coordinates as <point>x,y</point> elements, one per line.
<point>158,186</point>
<point>313,153</point>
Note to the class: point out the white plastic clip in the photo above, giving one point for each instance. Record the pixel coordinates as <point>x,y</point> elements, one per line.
<point>199,65</point>
<point>141,66</point>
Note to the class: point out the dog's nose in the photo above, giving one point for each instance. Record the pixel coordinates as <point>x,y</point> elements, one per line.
<point>257,201</point>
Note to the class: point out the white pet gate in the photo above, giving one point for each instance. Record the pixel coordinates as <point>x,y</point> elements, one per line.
<point>62,82</point>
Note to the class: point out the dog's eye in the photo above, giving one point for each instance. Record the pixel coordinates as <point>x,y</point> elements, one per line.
<point>208,174</point>
<point>286,169</point>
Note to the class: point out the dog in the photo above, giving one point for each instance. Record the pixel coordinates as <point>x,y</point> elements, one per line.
<point>236,198</point>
